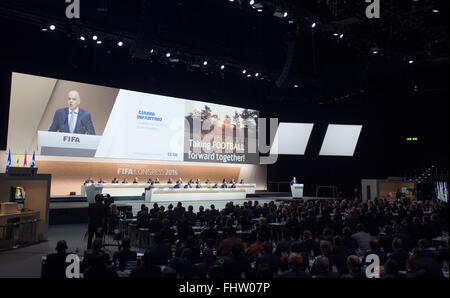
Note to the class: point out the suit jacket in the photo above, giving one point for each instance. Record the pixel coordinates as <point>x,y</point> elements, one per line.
<point>82,126</point>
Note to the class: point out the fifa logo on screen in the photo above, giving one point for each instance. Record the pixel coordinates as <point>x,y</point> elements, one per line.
<point>373,9</point>
<point>73,269</point>
<point>73,9</point>
<point>69,139</point>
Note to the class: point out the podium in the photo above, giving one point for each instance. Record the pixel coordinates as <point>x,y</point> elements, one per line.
<point>92,190</point>
<point>297,190</point>
<point>67,144</point>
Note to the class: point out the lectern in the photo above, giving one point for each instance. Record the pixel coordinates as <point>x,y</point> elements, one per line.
<point>297,190</point>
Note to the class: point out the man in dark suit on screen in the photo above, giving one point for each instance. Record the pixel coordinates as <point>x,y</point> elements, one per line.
<point>73,119</point>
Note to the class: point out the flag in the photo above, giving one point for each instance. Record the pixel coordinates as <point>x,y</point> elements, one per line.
<point>8,163</point>
<point>25,160</point>
<point>18,160</point>
<point>32,161</point>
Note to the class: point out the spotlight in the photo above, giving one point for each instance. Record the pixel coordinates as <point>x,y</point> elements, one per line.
<point>94,37</point>
<point>52,27</point>
<point>168,55</point>
<point>82,37</point>
<point>259,10</point>
<point>252,2</point>
<point>335,34</point>
<point>256,74</point>
<point>295,86</point>
<point>249,75</point>
<point>291,21</point>
<point>285,14</point>
<point>313,25</point>
<point>222,66</point>
<point>435,10</point>
<point>342,35</point>
<point>375,52</point>
<point>205,63</point>
<point>44,29</point>
<point>151,51</point>
<point>99,42</point>
<point>120,43</point>
<point>244,71</point>
<point>411,61</point>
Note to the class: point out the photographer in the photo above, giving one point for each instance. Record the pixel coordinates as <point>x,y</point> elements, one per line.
<point>96,214</point>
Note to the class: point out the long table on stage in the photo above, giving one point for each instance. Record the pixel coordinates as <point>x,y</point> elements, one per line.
<point>138,189</point>
<point>193,194</point>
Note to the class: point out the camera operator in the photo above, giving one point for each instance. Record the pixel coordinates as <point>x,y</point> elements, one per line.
<point>96,214</point>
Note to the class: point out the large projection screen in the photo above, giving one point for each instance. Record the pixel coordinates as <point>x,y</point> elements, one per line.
<point>291,138</point>
<point>340,140</point>
<point>64,118</point>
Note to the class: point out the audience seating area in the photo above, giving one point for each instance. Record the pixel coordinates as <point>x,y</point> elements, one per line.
<point>299,239</point>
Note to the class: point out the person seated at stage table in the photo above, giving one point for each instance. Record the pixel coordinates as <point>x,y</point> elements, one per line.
<point>170,181</point>
<point>179,181</point>
<point>198,184</point>
<point>177,185</point>
<point>242,181</point>
<point>157,180</point>
<point>207,181</point>
<point>233,185</point>
<point>115,180</point>
<point>231,181</point>
<point>188,185</point>
<point>224,185</point>
<point>89,180</point>
<point>216,185</point>
<point>124,255</point>
<point>101,181</point>
<point>135,180</point>
<point>294,181</point>
<point>224,181</point>
<point>124,181</point>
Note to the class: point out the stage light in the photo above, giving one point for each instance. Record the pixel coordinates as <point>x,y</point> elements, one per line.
<point>256,74</point>
<point>435,10</point>
<point>168,55</point>
<point>375,52</point>
<point>342,35</point>
<point>94,37</point>
<point>205,63</point>
<point>411,61</point>
<point>82,37</point>
<point>252,2</point>
<point>52,27</point>
<point>244,71</point>
<point>120,43</point>
<point>285,14</point>
<point>335,34</point>
<point>222,66</point>
<point>151,51</point>
<point>99,42</point>
<point>291,21</point>
<point>313,25</point>
<point>295,86</point>
<point>259,10</point>
<point>44,29</point>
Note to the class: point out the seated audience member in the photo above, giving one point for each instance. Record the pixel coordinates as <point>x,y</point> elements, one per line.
<point>147,269</point>
<point>338,261</point>
<point>321,268</point>
<point>56,262</point>
<point>143,219</point>
<point>210,235</point>
<point>269,258</point>
<point>399,254</point>
<point>238,264</point>
<point>96,263</point>
<point>135,180</point>
<point>115,181</point>
<point>91,254</point>
<point>182,263</point>
<point>309,245</point>
<point>362,238</point>
<point>391,269</point>
<point>160,250</point>
<point>216,271</point>
<point>354,267</point>
<point>125,254</point>
<point>207,260</point>
<point>225,245</point>
<point>426,264</point>
<point>348,241</point>
<point>375,248</point>
<point>256,248</point>
<point>89,180</point>
<point>296,267</point>
<point>169,272</point>
<point>263,271</point>
<point>154,211</point>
